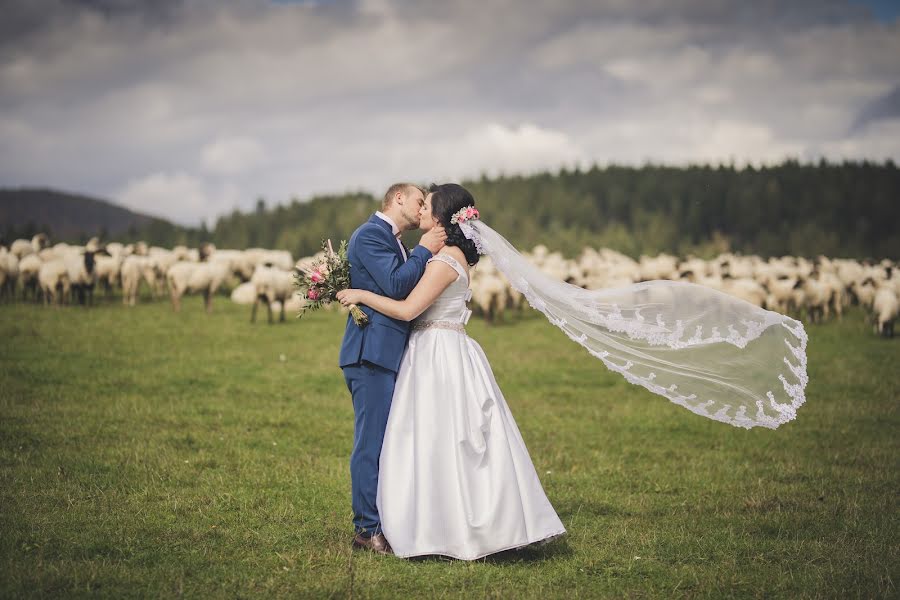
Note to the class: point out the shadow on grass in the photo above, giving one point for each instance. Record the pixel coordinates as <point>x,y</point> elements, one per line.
<point>533,553</point>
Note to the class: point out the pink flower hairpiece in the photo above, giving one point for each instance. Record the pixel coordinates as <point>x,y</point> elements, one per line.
<point>467,213</point>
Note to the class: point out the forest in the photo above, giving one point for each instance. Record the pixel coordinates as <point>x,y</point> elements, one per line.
<point>849,209</point>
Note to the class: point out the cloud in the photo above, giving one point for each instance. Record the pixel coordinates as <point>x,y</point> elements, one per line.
<point>884,108</point>
<point>187,197</point>
<point>218,103</point>
<point>232,155</point>
<point>494,149</point>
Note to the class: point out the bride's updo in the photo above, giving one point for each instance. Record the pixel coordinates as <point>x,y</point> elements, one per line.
<point>447,199</point>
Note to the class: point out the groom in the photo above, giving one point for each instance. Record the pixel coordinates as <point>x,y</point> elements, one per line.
<point>370,356</point>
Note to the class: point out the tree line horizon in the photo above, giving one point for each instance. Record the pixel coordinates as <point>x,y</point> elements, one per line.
<point>848,209</point>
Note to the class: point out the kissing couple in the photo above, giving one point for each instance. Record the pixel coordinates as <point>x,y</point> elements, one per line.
<point>438,465</point>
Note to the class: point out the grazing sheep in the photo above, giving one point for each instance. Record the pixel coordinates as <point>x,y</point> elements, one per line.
<point>131,272</point>
<point>134,268</point>
<point>39,241</point>
<point>280,259</point>
<point>886,307</point>
<point>82,275</point>
<point>238,265</point>
<point>9,273</point>
<point>663,266</point>
<point>116,250</point>
<point>206,278</point>
<point>182,253</point>
<point>745,289</point>
<point>817,297</point>
<point>53,277</point>
<point>489,296</point>
<point>292,305</point>
<point>21,248</point>
<point>245,293</point>
<point>162,261</point>
<point>108,270</point>
<point>48,254</point>
<point>272,285</point>
<point>865,293</point>
<point>781,293</point>
<point>29,267</point>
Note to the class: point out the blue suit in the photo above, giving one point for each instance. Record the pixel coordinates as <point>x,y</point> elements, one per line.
<point>370,356</point>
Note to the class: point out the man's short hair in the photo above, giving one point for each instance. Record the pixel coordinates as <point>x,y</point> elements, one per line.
<point>405,188</point>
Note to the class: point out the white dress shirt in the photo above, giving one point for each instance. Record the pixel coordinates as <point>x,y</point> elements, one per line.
<point>394,229</point>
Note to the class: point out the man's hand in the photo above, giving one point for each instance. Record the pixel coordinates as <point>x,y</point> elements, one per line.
<point>434,239</point>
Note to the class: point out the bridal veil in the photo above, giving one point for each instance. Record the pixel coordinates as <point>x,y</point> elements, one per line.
<point>716,355</point>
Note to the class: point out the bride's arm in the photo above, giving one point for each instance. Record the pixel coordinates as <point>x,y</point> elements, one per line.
<point>437,278</point>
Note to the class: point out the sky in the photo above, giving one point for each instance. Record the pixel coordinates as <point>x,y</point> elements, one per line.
<point>188,109</point>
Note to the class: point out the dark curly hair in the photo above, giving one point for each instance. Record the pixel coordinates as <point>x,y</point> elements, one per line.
<point>446,200</point>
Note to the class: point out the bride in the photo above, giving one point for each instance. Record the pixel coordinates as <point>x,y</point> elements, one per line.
<point>455,478</point>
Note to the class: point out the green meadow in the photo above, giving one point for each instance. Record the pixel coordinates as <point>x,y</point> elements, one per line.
<point>145,453</point>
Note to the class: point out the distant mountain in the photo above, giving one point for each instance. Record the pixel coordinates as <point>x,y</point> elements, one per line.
<point>67,217</point>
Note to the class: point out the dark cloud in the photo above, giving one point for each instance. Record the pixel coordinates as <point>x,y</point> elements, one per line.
<point>884,108</point>
<point>220,102</point>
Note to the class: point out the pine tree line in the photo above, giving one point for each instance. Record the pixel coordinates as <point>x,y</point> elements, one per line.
<point>849,209</point>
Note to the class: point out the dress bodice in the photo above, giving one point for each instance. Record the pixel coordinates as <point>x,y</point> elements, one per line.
<point>450,306</point>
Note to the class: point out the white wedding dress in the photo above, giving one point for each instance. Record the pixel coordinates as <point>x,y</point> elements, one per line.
<point>455,478</point>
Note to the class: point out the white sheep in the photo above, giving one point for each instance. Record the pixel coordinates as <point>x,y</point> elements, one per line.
<point>817,297</point>
<point>272,285</point>
<point>663,266</point>
<point>39,241</point>
<point>21,248</point>
<point>280,259</point>
<point>238,264</point>
<point>886,307</point>
<point>29,267</point>
<point>130,273</point>
<point>53,277</point>
<point>244,293</point>
<point>82,275</point>
<point>206,278</point>
<point>9,273</point>
<point>745,289</point>
<point>108,270</point>
<point>489,294</point>
<point>781,293</point>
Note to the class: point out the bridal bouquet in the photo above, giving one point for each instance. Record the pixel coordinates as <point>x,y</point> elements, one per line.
<point>320,282</point>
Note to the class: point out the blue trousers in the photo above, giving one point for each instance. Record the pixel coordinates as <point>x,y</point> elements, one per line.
<point>372,388</point>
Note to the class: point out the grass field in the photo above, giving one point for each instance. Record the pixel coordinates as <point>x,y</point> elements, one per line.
<point>151,454</point>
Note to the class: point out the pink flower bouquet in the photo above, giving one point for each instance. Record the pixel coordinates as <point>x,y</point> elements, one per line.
<point>320,282</point>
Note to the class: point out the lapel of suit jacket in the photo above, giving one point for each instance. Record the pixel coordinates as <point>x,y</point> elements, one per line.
<point>384,225</point>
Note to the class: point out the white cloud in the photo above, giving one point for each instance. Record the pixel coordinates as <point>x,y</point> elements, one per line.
<point>496,149</point>
<point>189,199</point>
<point>232,155</point>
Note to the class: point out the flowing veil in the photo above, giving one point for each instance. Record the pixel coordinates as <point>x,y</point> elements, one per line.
<point>718,356</point>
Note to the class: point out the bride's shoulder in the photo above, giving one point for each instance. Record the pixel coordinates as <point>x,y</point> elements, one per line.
<point>453,257</point>
<point>454,253</point>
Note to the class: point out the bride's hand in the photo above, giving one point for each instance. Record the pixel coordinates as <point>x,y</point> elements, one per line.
<point>351,296</point>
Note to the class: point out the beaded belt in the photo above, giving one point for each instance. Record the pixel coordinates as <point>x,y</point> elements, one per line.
<point>451,325</point>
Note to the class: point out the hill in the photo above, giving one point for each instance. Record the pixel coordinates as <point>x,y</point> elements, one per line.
<point>66,216</point>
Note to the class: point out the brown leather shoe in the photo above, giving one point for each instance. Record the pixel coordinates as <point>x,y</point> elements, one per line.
<point>377,543</point>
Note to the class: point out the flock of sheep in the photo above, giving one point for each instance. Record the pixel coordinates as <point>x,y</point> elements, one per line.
<point>814,290</point>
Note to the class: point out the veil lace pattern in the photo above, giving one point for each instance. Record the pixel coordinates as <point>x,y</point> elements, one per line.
<point>716,355</point>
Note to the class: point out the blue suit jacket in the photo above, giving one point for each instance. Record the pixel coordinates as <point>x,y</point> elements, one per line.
<point>376,264</point>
